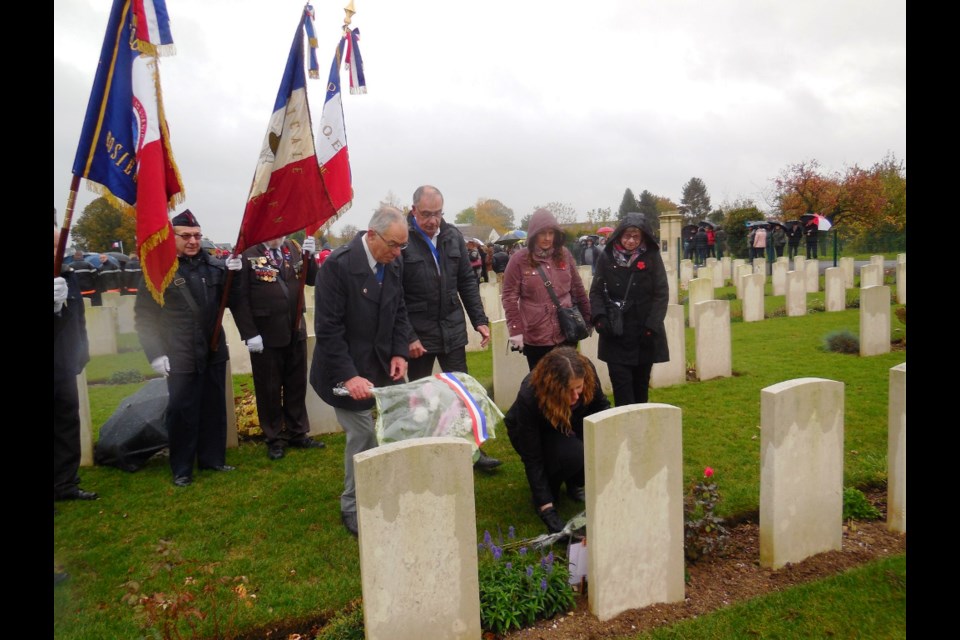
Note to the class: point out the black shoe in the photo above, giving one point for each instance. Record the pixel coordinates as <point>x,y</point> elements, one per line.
<point>349,520</point>
<point>485,462</point>
<point>275,451</point>
<point>577,494</point>
<point>307,443</point>
<point>183,481</point>
<point>552,519</point>
<point>76,494</point>
<point>222,467</point>
<point>59,577</point>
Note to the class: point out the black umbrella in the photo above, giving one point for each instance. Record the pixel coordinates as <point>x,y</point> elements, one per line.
<point>136,430</point>
<point>689,231</point>
<point>705,224</point>
<point>122,258</point>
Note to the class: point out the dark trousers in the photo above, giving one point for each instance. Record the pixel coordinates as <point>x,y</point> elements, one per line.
<point>812,249</point>
<point>454,360</point>
<point>631,383</point>
<point>197,419</point>
<point>535,353</point>
<point>280,380</point>
<point>562,461</point>
<point>793,250</point>
<point>66,433</point>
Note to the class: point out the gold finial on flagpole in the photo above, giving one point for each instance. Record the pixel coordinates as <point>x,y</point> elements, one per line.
<point>349,10</point>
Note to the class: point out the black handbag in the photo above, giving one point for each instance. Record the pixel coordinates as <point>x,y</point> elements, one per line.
<point>614,310</point>
<point>572,324</point>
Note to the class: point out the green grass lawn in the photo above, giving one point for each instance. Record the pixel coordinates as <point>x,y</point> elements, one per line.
<point>274,527</point>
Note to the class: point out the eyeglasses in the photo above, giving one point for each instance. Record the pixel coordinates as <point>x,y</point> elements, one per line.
<point>430,214</point>
<point>391,243</point>
<point>187,236</point>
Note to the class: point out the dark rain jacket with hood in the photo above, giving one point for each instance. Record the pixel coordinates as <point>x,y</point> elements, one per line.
<point>644,338</point>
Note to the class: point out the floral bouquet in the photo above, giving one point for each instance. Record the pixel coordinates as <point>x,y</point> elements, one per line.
<point>446,404</point>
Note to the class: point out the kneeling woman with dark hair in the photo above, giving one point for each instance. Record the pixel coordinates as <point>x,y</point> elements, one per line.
<point>545,425</point>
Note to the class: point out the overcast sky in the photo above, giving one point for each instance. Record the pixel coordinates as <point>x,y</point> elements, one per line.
<point>525,101</point>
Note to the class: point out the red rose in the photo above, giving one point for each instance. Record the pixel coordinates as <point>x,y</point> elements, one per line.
<point>641,264</point>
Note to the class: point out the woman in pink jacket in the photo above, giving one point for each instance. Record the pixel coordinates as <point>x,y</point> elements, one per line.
<point>531,315</point>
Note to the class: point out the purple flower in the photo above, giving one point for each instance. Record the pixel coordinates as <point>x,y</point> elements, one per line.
<point>523,551</point>
<point>510,532</point>
<point>497,551</point>
<point>509,565</point>
<point>543,584</point>
<point>529,571</point>
<point>486,538</point>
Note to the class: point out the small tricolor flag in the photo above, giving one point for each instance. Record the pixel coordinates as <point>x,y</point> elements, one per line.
<point>477,417</point>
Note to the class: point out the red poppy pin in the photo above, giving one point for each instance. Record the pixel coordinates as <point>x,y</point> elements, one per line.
<point>641,264</point>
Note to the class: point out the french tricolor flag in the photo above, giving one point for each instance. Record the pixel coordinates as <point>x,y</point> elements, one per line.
<point>332,142</point>
<point>288,192</point>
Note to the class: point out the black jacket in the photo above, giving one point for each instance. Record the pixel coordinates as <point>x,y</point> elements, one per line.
<point>71,350</point>
<point>360,324</point>
<point>268,295</point>
<point>183,328</point>
<point>646,301</point>
<point>433,298</point>
<point>526,427</point>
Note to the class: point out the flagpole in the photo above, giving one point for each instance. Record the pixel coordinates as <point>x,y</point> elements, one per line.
<point>65,228</point>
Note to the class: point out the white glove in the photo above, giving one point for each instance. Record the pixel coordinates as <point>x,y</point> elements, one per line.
<point>234,263</point>
<point>59,294</point>
<point>310,245</point>
<point>161,365</point>
<point>255,344</point>
<point>516,341</point>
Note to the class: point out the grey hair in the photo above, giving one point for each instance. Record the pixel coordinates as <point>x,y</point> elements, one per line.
<point>418,194</point>
<point>385,217</point>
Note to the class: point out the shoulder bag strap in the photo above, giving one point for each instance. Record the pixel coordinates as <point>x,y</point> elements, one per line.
<point>549,286</point>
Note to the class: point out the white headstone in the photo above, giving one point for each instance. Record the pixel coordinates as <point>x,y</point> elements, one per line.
<point>871,275</point>
<point>686,272</point>
<point>418,550</point>
<point>239,353</point>
<point>718,280</point>
<point>753,297</point>
<point>811,276</point>
<point>726,264</point>
<point>834,290</point>
<point>490,296</point>
<point>897,450</point>
<point>796,294</point>
<point>473,336</point>
<point>674,371</point>
<point>586,275</point>
<point>125,315</point>
<point>874,321</point>
<point>509,367</point>
<point>901,257</point>
<point>633,458</point>
<point>801,470</point>
<point>588,347</point>
<point>902,282</point>
<point>701,290</point>
<point>799,263</point>
<point>101,330</point>
<point>672,286</point>
<point>738,272</point>
<point>779,277</point>
<point>760,267</point>
<point>847,265</point>
<point>712,338</point>
<point>877,260</point>
<point>322,417</point>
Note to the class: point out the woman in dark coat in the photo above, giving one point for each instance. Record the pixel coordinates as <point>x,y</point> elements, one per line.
<point>630,274</point>
<point>545,426</point>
